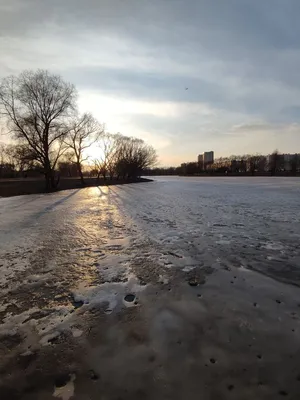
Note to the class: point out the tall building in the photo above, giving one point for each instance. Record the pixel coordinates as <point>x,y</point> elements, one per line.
<point>208,158</point>
<point>200,160</point>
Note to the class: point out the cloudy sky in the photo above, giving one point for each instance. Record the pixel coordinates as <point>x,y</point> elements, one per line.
<point>185,75</point>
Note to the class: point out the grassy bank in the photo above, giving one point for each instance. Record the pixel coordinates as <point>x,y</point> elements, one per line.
<point>17,187</point>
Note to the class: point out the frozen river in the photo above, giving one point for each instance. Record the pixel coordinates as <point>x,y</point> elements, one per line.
<point>213,263</point>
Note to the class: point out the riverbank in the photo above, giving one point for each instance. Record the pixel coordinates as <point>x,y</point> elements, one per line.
<point>17,187</point>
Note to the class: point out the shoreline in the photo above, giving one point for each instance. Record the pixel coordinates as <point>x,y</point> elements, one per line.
<point>25,186</point>
<point>232,175</point>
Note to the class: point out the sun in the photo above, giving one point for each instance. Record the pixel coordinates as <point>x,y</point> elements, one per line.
<point>94,152</point>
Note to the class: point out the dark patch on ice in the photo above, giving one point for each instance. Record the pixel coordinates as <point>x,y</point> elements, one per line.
<point>62,380</point>
<point>93,375</point>
<point>283,393</point>
<point>77,304</point>
<point>25,360</point>
<point>278,301</point>
<point>213,361</point>
<point>10,341</point>
<point>259,356</point>
<point>174,254</point>
<point>113,247</point>
<point>151,358</point>
<point>230,387</point>
<point>57,339</point>
<point>129,298</point>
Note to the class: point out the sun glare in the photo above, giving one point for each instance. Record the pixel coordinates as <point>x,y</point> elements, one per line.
<point>94,152</point>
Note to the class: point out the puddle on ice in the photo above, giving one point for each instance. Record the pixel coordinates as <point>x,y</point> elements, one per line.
<point>67,391</point>
<point>130,300</point>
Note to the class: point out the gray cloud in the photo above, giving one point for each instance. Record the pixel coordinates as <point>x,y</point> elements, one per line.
<point>238,57</point>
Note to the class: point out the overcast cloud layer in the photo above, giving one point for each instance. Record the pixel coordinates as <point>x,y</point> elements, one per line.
<point>132,61</point>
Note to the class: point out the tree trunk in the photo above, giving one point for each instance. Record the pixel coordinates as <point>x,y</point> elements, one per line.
<point>48,181</point>
<point>54,182</point>
<point>51,183</point>
<point>80,173</point>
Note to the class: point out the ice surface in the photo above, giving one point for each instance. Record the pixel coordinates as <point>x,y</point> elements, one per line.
<point>95,246</point>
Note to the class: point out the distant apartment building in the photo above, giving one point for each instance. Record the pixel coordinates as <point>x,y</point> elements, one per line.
<point>283,162</point>
<point>200,160</point>
<point>208,159</point>
<point>290,161</point>
<point>258,164</point>
<point>205,159</point>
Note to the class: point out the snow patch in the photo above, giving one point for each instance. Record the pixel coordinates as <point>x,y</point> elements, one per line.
<point>222,241</point>
<point>163,279</point>
<point>76,332</point>
<point>108,293</point>
<point>188,268</point>
<point>273,246</point>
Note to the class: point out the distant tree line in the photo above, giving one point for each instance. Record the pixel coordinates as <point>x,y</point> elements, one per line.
<point>273,164</point>
<point>50,137</point>
<point>162,171</point>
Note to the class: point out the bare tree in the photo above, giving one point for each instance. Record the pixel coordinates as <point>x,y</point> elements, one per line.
<point>36,106</point>
<point>133,156</point>
<point>123,156</point>
<point>275,162</point>
<point>23,157</point>
<point>7,166</point>
<point>84,131</point>
<point>105,162</point>
<point>257,163</point>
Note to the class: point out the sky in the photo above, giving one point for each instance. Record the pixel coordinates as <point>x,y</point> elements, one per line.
<point>187,76</point>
